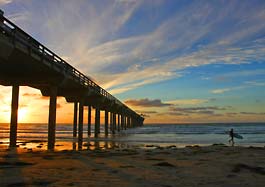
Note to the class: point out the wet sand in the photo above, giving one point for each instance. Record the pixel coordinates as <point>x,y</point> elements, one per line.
<point>216,165</point>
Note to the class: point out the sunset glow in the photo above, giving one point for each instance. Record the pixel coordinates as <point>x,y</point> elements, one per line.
<point>172,61</point>
<point>23,115</point>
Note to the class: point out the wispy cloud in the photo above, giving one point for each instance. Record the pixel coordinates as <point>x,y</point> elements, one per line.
<point>58,106</point>
<point>207,110</point>
<point>4,2</point>
<point>225,49</point>
<point>255,83</point>
<point>197,108</point>
<point>236,74</point>
<point>253,113</point>
<point>37,96</point>
<point>19,17</point>
<point>146,112</point>
<point>32,95</point>
<point>188,101</point>
<point>245,85</point>
<point>221,91</point>
<point>147,103</point>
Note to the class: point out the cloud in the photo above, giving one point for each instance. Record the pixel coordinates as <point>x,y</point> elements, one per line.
<point>176,114</point>
<point>208,110</point>
<point>252,113</point>
<point>4,2</point>
<point>36,96</point>
<point>235,74</point>
<point>106,41</point>
<point>255,83</point>
<point>188,101</point>
<point>231,113</point>
<point>191,109</point>
<point>145,115</point>
<point>212,99</point>
<point>147,103</point>
<point>246,84</point>
<point>225,49</point>
<point>19,17</point>
<point>146,112</point>
<point>221,91</point>
<point>31,95</point>
<point>120,85</point>
<point>23,105</point>
<point>58,106</point>
<point>245,113</point>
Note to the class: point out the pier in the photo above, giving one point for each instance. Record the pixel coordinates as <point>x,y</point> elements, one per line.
<point>26,62</point>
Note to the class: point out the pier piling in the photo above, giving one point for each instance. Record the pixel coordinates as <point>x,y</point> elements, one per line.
<point>114,123</point>
<point>106,123</point>
<point>14,115</point>
<point>75,119</point>
<point>119,122</point>
<point>97,122</point>
<point>89,121</point>
<point>52,117</point>
<point>80,123</point>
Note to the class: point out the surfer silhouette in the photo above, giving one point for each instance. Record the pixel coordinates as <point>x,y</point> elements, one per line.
<point>231,134</point>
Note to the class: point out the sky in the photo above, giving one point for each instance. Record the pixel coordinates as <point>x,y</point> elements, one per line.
<point>174,61</point>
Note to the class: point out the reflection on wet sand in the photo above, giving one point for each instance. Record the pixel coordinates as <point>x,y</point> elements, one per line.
<point>94,144</point>
<point>89,144</point>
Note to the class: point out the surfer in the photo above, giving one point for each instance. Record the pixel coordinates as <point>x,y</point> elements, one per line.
<point>231,134</point>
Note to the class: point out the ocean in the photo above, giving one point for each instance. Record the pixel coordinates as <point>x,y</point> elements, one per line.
<point>148,135</point>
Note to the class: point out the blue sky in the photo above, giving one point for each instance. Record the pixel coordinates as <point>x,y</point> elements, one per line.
<point>205,59</point>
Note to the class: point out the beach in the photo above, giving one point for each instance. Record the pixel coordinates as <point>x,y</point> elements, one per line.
<point>152,155</point>
<point>216,165</point>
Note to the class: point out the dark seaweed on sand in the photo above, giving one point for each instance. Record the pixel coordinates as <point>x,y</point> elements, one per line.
<point>238,167</point>
<point>164,164</point>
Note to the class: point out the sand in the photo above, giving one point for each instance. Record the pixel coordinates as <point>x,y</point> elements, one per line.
<point>216,165</point>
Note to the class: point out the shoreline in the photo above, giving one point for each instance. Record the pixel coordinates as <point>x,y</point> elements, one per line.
<point>106,143</point>
<point>215,165</point>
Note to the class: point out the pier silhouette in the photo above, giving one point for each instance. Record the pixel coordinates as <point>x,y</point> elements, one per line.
<point>26,62</point>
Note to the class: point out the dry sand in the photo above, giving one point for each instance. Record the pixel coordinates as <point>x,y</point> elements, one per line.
<point>164,167</point>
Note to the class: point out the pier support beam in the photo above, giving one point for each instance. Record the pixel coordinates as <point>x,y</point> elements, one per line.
<point>75,119</point>
<point>114,123</point>
<point>97,122</point>
<point>124,120</point>
<point>119,122</point>
<point>130,122</point>
<point>89,121</point>
<point>127,122</point>
<point>14,114</point>
<point>125,125</point>
<point>122,123</point>
<point>133,122</point>
<point>80,123</point>
<point>52,117</point>
<point>106,123</point>
<point>111,122</point>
